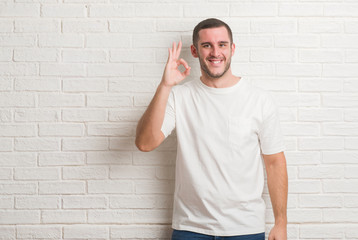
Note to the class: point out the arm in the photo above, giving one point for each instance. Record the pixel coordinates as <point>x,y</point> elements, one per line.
<point>149,135</point>
<point>277,182</point>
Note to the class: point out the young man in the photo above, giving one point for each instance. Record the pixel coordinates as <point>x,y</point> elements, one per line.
<point>225,127</point>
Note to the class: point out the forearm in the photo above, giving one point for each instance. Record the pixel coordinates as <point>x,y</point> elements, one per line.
<point>277,182</point>
<point>148,134</point>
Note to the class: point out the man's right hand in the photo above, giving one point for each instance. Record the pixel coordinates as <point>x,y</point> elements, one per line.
<point>172,75</point>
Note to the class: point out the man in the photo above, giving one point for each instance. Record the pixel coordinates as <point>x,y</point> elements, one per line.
<point>225,127</point>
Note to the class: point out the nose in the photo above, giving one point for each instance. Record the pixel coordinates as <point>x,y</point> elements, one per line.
<point>214,51</point>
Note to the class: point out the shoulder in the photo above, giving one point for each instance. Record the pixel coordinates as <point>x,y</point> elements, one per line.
<point>184,88</point>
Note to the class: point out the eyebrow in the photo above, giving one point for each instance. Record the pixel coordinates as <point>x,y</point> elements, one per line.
<point>210,43</point>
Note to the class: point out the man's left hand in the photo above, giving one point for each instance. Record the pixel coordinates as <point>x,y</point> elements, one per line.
<point>278,232</point>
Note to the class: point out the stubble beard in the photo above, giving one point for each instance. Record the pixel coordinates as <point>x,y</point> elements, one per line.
<point>204,67</point>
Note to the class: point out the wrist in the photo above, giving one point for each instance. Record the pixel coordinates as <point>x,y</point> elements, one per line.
<point>281,221</point>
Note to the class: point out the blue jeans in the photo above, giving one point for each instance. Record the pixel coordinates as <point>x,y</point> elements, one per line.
<point>187,235</point>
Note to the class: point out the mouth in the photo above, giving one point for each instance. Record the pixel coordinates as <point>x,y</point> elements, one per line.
<point>215,61</point>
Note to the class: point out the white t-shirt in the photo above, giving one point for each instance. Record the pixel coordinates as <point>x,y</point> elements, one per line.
<point>221,134</point>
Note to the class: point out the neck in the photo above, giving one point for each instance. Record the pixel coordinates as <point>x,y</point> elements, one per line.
<point>227,80</point>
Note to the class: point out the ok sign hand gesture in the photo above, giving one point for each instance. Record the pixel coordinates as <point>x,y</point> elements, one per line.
<point>172,75</point>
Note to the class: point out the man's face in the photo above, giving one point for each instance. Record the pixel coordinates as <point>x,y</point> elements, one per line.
<point>214,51</point>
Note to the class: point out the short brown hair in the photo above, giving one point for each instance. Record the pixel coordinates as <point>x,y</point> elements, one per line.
<point>209,23</point>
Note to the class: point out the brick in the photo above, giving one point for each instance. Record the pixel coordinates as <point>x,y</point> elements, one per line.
<point>302,70</point>
<point>36,115</point>
<point>20,10</point>
<point>16,159</point>
<point>133,201</point>
<point>351,231</point>
<point>110,70</point>
<point>155,40</point>
<point>305,186</point>
<point>297,41</point>
<point>17,40</point>
<point>37,84</point>
<point>351,26</point>
<point>148,70</point>
<point>300,9</point>
<point>154,158</point>
<point>342,100</point>
<point>61,100</point>
<point>30,232</point>
<point>253,41</point>
<point>304,216</point>
<point>108,100</point>
<point>318,25</point>
<point>132,55</point>
<point>6,203</point>
<point>90,144</point>
<point>207,10</point>
<point>85,173</point>
<point>84,85</point>
<point>61,129</point>
<point>301,129</point>
<point>351,143</point>
<point>345,70</point>
<point>85,232</point>
<point>61,40</point>
<point>320,115</point>
<point>165,173</point>
<point>185,25</point>
<point>112,40</point>
<point>7,232</point>
<point>62,69</point>
<point>320,201</point>
<point>18,69</point>
<point>64,187</point>
<point>36,202</point>
<point>321,143</point>
<point>84,56</point>
<point>6,26</point>
<point>6,55</point>
<point>299,100</point>
<point>35,55</point>
<point>320,172</point>
<point>5,173</point>
<point>63,10</point>
<point>19,217</point>
<point>125,115</point>
<point>37,174</point>
<point>340,129</point>
<point>322,56</point>
<point>17,188</point>
<point>265,26</point>
<point>272,55</point>
<point>18,130</point>
<point>341,41</point>
<point>63,216</point>
<point>350,86</point>
<point>84,202</point>
<point>130,231</point>
<point>322,230</point>
<point>340,157</point>
<point>123,143</point>
<point>61,159</point>
<point>6,144</point>
<point>255,69</point>
<point>154,187</point>
<point>319,85</point>
<point>351,172</point>
<point>253,10</point>
<point>132,172</point>
<point>351,201</point>
<point>5,116</point>
<point>37,144</point>
<point>84,26</point>
<point>111,129</point>
<point>340,10</point>
<point>158,10</point>
<point>340,186</point>
<point>334,216</point>
<point>132,26</point>
<point>110,216</point>
<point>109,157</point>
<point>110,187</point>
<point>37,26</point>
<point>351,115</point>
<point>111,10</point>
<point>153,216</point>
<point>84,115</point>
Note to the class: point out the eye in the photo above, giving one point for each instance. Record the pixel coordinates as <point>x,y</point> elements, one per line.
<point>206,46</point>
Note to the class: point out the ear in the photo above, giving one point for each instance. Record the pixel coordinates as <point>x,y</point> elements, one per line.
<point>193,50</point>
<point>233,49</point>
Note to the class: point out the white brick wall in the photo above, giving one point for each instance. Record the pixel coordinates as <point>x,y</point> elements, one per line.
<point>75,76</point>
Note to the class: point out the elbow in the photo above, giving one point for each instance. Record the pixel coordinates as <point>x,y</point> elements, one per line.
<point>143,147</point>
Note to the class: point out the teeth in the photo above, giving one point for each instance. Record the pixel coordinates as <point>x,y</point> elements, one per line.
<point>216,61</point>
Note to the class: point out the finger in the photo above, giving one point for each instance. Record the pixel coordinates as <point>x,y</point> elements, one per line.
<point>186,72</point>
<point>184,63</point>
<point>179,49</point>
<point>170,54</point>
<point>174,53</point>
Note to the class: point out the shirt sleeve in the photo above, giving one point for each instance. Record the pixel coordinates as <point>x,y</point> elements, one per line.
<point>169,117</point>
<point>270,134</point>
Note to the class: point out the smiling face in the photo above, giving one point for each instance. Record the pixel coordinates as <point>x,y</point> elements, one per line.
<point>214,50</point>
